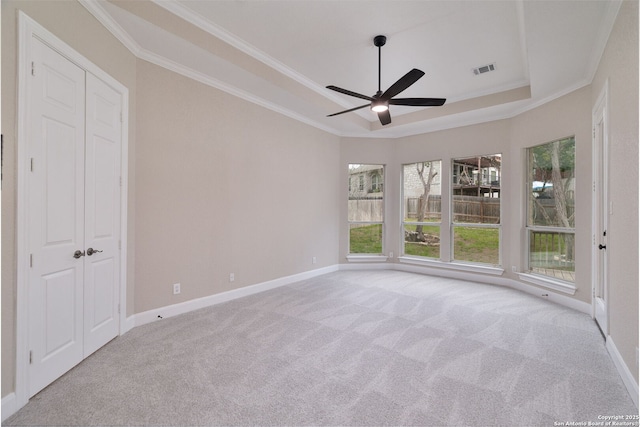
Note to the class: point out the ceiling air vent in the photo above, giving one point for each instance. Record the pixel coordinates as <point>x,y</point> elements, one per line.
<point>484,69</point>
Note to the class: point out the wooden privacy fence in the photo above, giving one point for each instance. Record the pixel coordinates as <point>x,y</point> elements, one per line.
<point>475,209</point>
<point>369,210</point>
<point>485,210</point>
<point>543,211</point>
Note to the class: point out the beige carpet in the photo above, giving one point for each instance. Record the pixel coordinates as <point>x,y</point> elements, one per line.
<point>348,348</point>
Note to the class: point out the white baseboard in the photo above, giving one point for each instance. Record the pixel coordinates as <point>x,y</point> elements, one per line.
<point>626,375</point>
<point>566,301</point>
<point>129,324</point>
<point>195,304</point>
<point>9,406</point>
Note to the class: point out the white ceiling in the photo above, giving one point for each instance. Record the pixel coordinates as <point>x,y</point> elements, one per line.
<point>282,54</point>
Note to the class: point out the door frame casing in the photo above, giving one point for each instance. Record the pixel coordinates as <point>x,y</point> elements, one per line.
<point>599,166</point>
<point>27,29</point>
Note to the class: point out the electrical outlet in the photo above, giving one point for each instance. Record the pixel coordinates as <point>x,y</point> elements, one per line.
<point>232,277</point>
<point>514,268</point>
<point>313,260</point>
<point>176,288</point>
<point>390,254</point>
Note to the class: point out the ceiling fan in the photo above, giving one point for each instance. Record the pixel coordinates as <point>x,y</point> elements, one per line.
<point>380,101</point>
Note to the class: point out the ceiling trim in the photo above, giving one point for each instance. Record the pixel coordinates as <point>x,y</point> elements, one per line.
<point>111,25</point>
<point>178,68</point>
<point>523,38</point>
<point>224,35</point>
<point>602,38</point>
<point>94,7</point>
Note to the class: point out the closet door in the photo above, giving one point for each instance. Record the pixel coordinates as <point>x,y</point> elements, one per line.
<point>102,214</point>
<point>74,214</point>
<point>56,215</point>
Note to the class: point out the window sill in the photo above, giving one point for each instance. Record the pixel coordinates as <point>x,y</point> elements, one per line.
<point>484,269</point>
<point>367,258</point>
<point>549,283</point>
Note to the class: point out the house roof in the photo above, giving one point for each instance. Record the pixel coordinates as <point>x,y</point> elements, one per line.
<point>282,54</point>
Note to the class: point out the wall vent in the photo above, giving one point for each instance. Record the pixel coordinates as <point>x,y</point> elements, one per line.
<point>484,69</point>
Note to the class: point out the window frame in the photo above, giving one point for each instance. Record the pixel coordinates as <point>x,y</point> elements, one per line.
<point>364,187</point>
<point>529,274</point>
<point>404,214</point>
<point>453,224</point>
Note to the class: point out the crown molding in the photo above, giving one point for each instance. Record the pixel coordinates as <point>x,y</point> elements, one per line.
<point>97,10</point>
<point>206,79</point>
<point>94,8</point>
<point>603,37</point>
<point>217,31</point>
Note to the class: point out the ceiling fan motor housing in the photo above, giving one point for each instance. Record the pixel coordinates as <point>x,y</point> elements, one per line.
<point>379,41</point>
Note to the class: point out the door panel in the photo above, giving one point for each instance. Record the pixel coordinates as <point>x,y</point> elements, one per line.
<point>56,209</point>
<point>60,323</point>
<point>103,290</point>
<point>601,212</point>
<point>102,214</point>
<point>60,151</point>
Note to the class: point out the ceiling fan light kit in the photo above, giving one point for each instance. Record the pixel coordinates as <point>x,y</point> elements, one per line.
<point>378,106</point>
<point>380,102</point>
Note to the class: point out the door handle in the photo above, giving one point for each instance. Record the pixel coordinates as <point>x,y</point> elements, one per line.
<point>602,247</point>
<point>92,251</point>
<point>77,254</point>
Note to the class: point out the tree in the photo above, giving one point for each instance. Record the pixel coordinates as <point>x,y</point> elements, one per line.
<point>423,202</point>
<point>555,163</point>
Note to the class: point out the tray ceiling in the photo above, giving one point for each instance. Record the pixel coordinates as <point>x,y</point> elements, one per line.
<point>282,54</point>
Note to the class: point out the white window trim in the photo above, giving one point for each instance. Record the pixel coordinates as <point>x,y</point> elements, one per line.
<point>459,266</point>
<point>477,225</point>
<point>529,276</point>
<point>357,257</point>
<point>469,265</point>
<point>367,258</point>
<point>548,282</point>
<point>403,242</point>
<point>403,215</point>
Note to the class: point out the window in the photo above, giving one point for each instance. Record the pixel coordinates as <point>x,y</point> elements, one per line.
<point>376,183</point>
<point>475,209</point>
<point>365,210</point>
<point>550,209</point>
<point>421,205</point>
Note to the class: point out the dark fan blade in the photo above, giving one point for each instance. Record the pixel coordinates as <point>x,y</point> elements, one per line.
<point>385,117</point>
<point>418,102</point>
<point>404,82</point>
<point>348,92</point>
<point>348,111</point>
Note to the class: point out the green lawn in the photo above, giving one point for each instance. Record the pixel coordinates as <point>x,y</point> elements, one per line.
<point>365,239</point>
<point>470,244</point>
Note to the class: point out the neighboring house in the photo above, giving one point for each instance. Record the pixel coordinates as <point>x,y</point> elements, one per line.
<point>366,181</point>
<point>477,176</point>
<point>413,187</point>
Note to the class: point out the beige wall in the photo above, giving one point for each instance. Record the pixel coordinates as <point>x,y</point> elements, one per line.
<point>225,186</point>
<point>71,22</point>
<point>218,185</point>
<point>619,65</point>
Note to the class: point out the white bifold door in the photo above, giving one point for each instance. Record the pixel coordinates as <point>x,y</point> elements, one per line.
<point>74,145</point>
